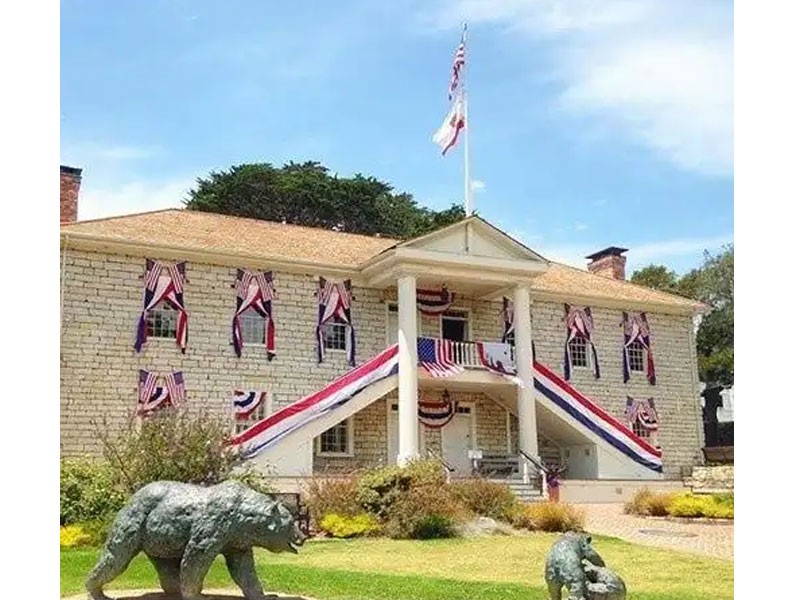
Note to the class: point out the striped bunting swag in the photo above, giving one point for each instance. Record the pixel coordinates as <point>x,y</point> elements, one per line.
<point>245,403</point>
<point>163,282</point>
<point>289,419</point>
<point>435,414</point>
<point>436,357</point>
<point>153,396</point>
<point>256,291</point>
<point>579,325</point>
<point>335,303</point>
<point>593,418</point>
<point>434,302</point>
<point>636,329</point>
<point>642,412</point>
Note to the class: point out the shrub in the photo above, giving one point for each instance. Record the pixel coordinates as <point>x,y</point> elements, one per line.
<point>255,480</point>
<point>172,444</point>
<point>332,496</point>
<point>343,526</point>
<point>423,512</point>
<point>88,491</point>
<point>689,506</point>
<point>380,489</point>
<point>433,526</point>
<point>718,506</point>
<point>486,498</point>
<point>549,516</point>
<point>649,504</point>
<point>73,536</point>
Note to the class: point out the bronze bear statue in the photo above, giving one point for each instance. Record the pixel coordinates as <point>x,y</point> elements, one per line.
<point>564,566</point>
<point>183,527</point>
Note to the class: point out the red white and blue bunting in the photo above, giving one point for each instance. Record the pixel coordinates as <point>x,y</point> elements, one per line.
<point>642,412</point>
<point>278,425</point>
<point>335,303</point>
<point>434,302</point>
<point>164,282</point>
<point>256,291</point>
<point>636,329</point>
<point>579,325</point>
<point>498,359</point>
<point>435,414</point>
<point>152,396</point>
<point>246,403</point>
<point>596,420</point>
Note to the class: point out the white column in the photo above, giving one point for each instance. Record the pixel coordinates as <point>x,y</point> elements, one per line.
<point>408,440</point>
<point>526,407</point>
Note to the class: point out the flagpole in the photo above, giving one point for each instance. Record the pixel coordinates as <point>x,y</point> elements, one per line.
<point>467,181</point>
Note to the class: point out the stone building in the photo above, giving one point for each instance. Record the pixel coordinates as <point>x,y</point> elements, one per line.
<point>612,403</point>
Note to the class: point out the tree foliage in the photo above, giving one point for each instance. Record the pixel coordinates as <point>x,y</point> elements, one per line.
<point>308,194</point>
<point>711,283</point>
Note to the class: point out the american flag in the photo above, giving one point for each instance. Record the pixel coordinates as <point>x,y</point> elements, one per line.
<point>458,62</point>
<point>175,387</point>
<point>436,357</point>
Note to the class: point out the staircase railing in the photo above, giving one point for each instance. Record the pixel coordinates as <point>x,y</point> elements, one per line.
<point>527,461</point>
<point>448,468</point>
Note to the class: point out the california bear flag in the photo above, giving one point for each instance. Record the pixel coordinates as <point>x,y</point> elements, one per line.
<point>447,134</point>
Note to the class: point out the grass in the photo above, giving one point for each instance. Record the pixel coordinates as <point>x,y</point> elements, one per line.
<point>495,568</point>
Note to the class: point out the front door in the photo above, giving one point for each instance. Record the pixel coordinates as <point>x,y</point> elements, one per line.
<point>457,441</point>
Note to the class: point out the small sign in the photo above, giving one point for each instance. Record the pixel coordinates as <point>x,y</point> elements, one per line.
<point>475,454</point>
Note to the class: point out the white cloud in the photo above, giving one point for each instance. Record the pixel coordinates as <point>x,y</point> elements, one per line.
<point>478,185</point>
<point>131,197</point>
<point>659,73</point>
<point>90,153</point>
<point>581,227</point>
<point>661,252</point>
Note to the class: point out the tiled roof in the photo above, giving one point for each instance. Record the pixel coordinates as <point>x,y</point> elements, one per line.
<point>193,230</point>
<point>569,281</point>
<point>207,231</point>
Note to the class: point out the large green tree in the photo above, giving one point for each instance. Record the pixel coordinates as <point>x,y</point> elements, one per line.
<point>711,283</point>
<point>308,194</point>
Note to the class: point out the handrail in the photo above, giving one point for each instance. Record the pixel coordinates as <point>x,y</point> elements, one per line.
<point>535,462</point>
<point>443,462</point>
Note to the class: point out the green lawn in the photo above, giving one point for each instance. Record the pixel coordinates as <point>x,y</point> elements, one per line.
<point>501,568</point>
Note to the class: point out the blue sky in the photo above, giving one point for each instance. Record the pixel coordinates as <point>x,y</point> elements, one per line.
<point>592,124</point>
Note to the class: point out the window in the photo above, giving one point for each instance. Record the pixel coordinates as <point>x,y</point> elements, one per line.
<point>640,430</point>
<point>254,417</point>
<point>578,355</point>
<point>636,356</point>
<point>162,321</point>
<point>335,334</point>
<point>455,325</point>
<point>649,435</point>
<point>337,441</point>
<point>252,327</point>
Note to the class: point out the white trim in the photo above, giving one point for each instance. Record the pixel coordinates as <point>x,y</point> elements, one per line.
<point>394,303</point>
<point>350,442</point>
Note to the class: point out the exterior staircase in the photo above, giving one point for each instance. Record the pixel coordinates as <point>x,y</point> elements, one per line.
<point>525,492</point>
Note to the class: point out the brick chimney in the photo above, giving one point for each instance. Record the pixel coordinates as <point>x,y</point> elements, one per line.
<point>608,263</point>
<point>70,186</point>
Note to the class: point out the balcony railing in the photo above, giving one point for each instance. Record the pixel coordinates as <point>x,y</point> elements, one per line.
<point>466,354</point>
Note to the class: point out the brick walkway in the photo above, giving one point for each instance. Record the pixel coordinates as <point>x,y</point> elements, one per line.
<point>707,539</point>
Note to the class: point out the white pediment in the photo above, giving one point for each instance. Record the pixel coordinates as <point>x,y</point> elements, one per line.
<point>482,240</point>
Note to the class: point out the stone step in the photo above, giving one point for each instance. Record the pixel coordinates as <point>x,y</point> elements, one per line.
<point>525,492</point>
